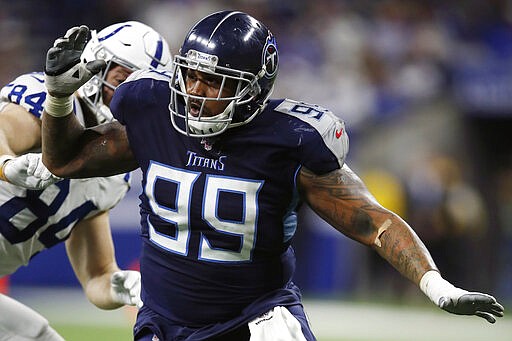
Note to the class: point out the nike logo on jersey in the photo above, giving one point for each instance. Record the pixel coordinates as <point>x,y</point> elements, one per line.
<point>195,160</point>
<point>339,132</point>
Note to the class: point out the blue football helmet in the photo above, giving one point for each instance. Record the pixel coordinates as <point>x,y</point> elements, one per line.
<point>237,48</point>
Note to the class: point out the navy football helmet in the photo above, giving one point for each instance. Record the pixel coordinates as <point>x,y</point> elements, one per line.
<point>237,48</point>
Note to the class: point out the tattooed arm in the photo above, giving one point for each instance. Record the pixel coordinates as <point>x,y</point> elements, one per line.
<point>72,151</point>
<point>342,199</point>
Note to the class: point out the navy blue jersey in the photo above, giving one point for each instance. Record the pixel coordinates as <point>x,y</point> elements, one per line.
<point>218,214</point>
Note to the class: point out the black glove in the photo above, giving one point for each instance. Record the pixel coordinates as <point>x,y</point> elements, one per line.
<point>459,301</point>
<point>64,71</point>
<point>473,303</point>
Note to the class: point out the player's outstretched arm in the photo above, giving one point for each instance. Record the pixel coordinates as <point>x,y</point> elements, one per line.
<point>20,131</point>
<point>342,199</point>
<point>70,150</point>
<point>91,253</point>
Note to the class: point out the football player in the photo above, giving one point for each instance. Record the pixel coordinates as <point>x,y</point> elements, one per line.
<point>224,171</point>
<point>37,211</point>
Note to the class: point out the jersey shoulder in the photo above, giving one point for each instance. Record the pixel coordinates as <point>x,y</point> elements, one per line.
<point>149,74</point>
<point>314,126</point>
<point>28,91</point>
<point>141,90</point>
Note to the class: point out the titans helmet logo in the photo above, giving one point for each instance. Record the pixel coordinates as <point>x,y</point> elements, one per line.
<point>270,57</point>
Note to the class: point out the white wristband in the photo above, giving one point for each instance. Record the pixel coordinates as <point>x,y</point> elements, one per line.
<point>58,106</point>
<point>435,287</point>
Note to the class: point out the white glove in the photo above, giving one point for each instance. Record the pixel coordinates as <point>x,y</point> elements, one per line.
<point>125,287</point>
<point>459,301</point>
<point>27,171</point>
<point>64,71</point>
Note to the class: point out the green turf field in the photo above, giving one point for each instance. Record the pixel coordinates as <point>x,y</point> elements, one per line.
<point>333,319</point>
<point>73,332</point>
<point>87,333</point>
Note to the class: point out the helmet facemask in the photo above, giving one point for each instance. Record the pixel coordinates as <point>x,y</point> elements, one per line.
<point>132,45</point>
<point>233,46</point>
<point>198,124</point>
<point>92,91</point>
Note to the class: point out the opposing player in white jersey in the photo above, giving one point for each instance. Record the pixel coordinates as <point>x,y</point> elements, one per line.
<point>39,210</point>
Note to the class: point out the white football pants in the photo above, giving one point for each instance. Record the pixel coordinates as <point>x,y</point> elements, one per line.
<point>277,324</point>
<point>20,323</point>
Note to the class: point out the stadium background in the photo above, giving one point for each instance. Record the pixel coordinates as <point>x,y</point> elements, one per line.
<point>425,88</point>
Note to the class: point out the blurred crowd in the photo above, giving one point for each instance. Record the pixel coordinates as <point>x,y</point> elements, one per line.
<point>425,88</point>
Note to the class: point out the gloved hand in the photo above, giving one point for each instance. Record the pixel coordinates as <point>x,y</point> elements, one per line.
<point>472,303</point>
<point>64,71</point>
<point>27,171</point>
<point>125,287</point>
<point>459,301</point>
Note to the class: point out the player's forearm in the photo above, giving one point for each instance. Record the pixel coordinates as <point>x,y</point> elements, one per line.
<point>94,281</point>
<point>70,151</point>
<point>93,271</point>
<point>402,248</point>
<point>60,138</point>
<point>97,290</point>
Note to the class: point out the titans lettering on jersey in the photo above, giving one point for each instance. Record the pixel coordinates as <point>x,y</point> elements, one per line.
<point>218,215</point>
<point>196,160</point>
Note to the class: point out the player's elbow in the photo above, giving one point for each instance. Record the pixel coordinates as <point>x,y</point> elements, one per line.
<point>52,166</point>
<point>60,169</point>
